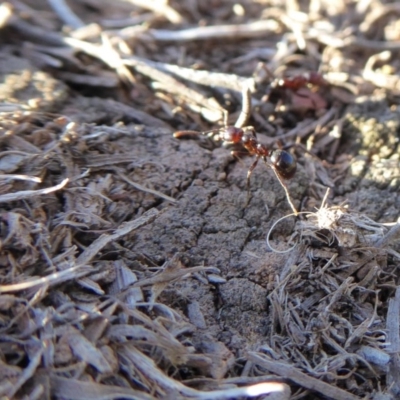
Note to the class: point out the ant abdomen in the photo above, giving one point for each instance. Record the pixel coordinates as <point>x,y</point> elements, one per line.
<point>284,163</point>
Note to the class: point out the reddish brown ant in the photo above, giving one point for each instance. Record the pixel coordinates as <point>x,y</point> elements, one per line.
<point>299,93</point>
<point>299,81</point>
<point>282,162</point>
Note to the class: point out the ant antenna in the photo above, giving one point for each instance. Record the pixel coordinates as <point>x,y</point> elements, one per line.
<point>283,184</point>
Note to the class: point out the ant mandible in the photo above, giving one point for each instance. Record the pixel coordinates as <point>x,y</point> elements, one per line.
<point>282,162</point>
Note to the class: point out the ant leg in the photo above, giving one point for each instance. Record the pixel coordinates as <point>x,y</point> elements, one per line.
<point>249,172</point>
<point>283,184</point>
<point>238,154</point>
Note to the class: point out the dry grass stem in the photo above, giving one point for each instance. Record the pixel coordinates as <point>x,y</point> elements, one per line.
<point>26,194</point>
<point>300,378</point>
<point>250,30</point>
<point>65,13</point>
<point>201,77</point>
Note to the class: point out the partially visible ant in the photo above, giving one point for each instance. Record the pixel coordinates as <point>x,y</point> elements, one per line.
<point>299,81</point>
<point>298,95</point>
<point>282,162</point>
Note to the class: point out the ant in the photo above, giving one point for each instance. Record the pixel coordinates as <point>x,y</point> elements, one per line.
<point>299,94</point>
<point>282,162</point>
<point>297,82</point>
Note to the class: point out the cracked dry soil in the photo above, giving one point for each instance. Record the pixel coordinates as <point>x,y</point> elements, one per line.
<point>210,224</point>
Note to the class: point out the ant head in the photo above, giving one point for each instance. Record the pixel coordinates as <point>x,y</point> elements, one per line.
<point>231,134</point>
<point>284,163</point>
